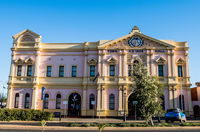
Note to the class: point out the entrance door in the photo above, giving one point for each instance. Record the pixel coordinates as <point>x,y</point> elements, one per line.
<point>74,105</point>
<point>132,108</point>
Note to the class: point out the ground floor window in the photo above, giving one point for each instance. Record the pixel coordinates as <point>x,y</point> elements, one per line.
<point>16,100</point>
<point>27,101</point>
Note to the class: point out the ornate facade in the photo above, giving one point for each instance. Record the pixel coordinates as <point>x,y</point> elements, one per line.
<point>93,78</point>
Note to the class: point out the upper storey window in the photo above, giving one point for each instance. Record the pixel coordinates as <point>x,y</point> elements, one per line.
<point>160,70</point>
<point>180,71</point>
<point>112,70</point>
<point>29,70</point>
<point>49,69</point>
<point>19,70</point>
<point>92,70</point>
<point>61,71</point>
<point>74,71</point>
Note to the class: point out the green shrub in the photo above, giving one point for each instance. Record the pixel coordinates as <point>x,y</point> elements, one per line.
<point>24,115</point>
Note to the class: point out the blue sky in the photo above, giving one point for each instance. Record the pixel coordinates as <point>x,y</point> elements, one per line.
<point>93,20</point>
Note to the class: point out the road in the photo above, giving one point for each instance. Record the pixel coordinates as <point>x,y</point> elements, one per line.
<point>152,130</point>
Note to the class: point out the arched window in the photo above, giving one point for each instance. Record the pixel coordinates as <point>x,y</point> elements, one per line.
<point>92,101</point>
<point>58,101</point>
<point>181,102</point>
<point>46,101</point>
<point>111,102</point>
<point>27,101</point>
<point>16,100</point>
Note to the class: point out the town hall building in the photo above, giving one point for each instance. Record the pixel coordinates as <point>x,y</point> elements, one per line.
<point>94,78</point>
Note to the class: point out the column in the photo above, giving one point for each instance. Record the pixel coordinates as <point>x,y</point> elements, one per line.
<point>10,98</point>
<point>169,65</point>
<point>84,101</point>
<point>148,62</point>
<point>98,100</point>
<point>34,97</point>
<point>103,98</point>
<point>85,72</point>
<point>175,98</point>
<point>120,100</point>
<point>189,101</point>
<point>171,97</point>
<point>173,64</point>
<point>120,64</point>
<point>124,64</point>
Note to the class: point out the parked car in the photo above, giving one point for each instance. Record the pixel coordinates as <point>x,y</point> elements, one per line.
<point>175,115</point>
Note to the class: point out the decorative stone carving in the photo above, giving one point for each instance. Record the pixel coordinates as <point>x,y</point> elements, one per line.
<point>18,61</point>
<point>160,60</point>
<point>27,38</point>
<point>180,61</point>
<point>92,61</point>
<point>112,60</point>
<point>29,61</point>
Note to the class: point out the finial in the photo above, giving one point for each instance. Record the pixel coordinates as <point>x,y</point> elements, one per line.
<point>135,29</point>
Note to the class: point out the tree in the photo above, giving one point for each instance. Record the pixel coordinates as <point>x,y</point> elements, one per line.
<point>148,91</point>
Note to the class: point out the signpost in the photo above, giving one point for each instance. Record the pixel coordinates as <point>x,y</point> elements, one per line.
<point>65,103</point>
<point>93,103</point>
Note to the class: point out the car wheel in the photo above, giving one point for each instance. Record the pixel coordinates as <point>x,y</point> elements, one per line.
<point>166,121</point>
<point>181,121</point>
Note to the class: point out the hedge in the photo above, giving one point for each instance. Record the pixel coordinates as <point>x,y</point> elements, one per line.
<point>24,115</point>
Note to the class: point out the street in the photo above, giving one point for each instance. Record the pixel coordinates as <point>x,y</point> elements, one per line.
<point>119,130</point>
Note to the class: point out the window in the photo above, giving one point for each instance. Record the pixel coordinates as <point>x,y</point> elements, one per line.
<point>181,102</point>
<point>27,101</point>
<point>180,71</point>
<point>61,71</point>
<point>16,100</point>
<point>58,101</point>
<point>19,70</point>
<point>160,71</point>
<point>92,99</point>
<point>74,71</point>
<point>111,102</point>
<point>29,70</point>
<point>112,70</point>
<point>129,70</point>
<point>49,71</point>
<point>46,101</point>
<point>92,70</point>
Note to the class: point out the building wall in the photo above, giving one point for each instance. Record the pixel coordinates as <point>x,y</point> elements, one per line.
<point>41,55</point>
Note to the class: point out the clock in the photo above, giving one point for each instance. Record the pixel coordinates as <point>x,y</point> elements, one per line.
<point>135,42</point>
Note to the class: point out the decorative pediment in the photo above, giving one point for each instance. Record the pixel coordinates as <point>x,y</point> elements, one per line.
<point>180,61</point>
<point>160,60</point>
<point>18,61</point>
<point>29,61</point>
<point>27,38</point>
<point>137,40</point>
<point>112,60</point>
<point>92,61</point>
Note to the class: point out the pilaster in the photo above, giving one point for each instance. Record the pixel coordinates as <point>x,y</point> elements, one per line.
<point>10,98</point>
<point>84,101</point>
<point>34,97</point>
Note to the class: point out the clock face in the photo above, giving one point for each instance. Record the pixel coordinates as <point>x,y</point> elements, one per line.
<point>135,42</point>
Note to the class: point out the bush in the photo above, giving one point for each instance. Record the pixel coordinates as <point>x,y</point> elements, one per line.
<point>24,115</point>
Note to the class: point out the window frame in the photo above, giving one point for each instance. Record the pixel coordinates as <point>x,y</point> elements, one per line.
<point>74,71</point>
<point>111,101</point>
<point>16,104</point>
<point>48,72</point>
<point>29,70</point>
<point>91,98</point>
<point>27,101</point>
<point>180,74</point>
<point>19,70</point>
<point>61,73</point>
<point>161,74</point>
<point>92,70</point>
<point>58,101</point>
<point>112,70</point>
